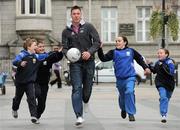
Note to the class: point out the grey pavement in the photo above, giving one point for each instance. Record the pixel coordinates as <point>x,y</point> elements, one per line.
<point>103,113</point>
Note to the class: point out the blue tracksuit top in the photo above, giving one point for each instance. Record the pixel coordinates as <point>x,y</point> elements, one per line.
<point>28,73</point>
<point>25,53</point>
<point>123,61</point>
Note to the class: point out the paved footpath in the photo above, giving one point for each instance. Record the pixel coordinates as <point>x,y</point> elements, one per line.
<point>103,114</point>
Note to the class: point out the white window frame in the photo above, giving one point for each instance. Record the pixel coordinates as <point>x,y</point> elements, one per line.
<point>109,20</point>
<point>143,19</point>
<point>37,8</point>
<point>68,16</point>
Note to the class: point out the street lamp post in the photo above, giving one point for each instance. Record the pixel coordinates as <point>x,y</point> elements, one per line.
<point>164,22</point>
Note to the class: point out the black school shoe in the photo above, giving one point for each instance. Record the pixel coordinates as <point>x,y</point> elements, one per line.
<point>131,118</point>
<point>59,85</point>
<point>15,114</point>
<point>34,120</point>
<point>123,114</point>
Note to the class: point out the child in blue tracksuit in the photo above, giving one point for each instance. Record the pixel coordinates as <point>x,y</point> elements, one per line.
<point>164,69</point>
<point>27,63</point>
<point>123,58</point>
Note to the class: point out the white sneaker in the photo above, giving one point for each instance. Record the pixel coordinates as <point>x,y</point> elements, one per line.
<point>37,121</point>
<point>163,120</point>
<point>79,122</point>
<point>14,114</point>
<point>86,107</point>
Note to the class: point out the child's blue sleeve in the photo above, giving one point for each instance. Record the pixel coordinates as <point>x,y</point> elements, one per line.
<point>171,67</point>
<point>42,56</point>
<point>18,59</point>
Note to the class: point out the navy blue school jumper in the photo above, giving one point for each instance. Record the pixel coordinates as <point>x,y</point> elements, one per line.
<point>25,78</point>
<point>42,80</point>
<point>164,81</point>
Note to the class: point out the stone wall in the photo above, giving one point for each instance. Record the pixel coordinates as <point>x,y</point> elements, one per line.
<point>8,15</point>
<point>126,14</point>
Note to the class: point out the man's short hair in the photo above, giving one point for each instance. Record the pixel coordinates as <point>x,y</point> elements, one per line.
<point>75,7</point>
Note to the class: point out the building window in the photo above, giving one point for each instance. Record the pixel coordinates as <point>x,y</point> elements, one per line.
<point>22,6</point>
<point>142,24</point>
<point>34,7</point>
<point>109,24</point>
<point>42,6</point>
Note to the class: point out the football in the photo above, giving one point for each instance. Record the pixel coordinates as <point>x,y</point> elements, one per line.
<point>73,54</point>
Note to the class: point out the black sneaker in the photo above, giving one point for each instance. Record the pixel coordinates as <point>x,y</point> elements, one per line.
<point>52,82</point>
<point>34,120</point>
<point>59,85</point>
<point>131,118</point>
<point>123,114</point>
<point>14,114</point>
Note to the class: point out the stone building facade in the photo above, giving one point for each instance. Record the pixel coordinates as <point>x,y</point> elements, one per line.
<point>45,19</point>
